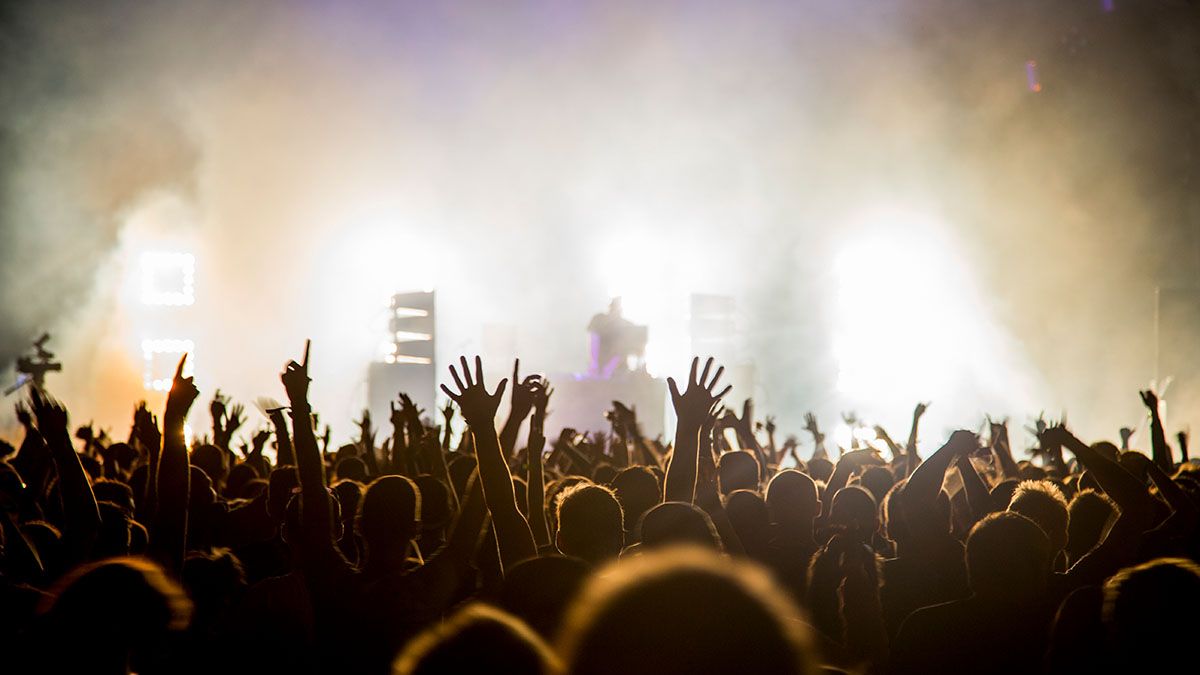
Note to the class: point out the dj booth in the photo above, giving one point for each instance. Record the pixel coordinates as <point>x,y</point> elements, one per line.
<point>580,401</point>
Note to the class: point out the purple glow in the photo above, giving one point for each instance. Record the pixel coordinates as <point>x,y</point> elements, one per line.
<point>1108,5</point>
<point>1031,76</point>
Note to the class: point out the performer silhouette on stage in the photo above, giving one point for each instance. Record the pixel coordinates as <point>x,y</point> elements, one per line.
<point>613,340</point>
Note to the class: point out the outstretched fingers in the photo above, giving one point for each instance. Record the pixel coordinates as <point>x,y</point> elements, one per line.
<point>704,374</point>
<point>466,368</point>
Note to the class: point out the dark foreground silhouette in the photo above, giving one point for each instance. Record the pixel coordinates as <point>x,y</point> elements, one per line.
<point>717,552</point>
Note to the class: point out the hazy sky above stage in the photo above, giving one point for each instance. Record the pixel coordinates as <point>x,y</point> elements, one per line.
<point>874,182</point>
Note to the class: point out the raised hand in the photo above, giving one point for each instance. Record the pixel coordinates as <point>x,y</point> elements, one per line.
<point>477,405</point>
<point>217,409</point>
<point>810,425</point>
<point>182,395</point>
<point>448,413</point>
<point>919,410</point>
<point>365,433</point>
<point>259,441</point>
<point>697,401</point>
<point>523,391</point>
<point>237,416</point>
<point>1150,399</point>
<point>541,402</point>
<point>963,442</point>
<point>744,424</point>
<point>1158,436</point>
<point>295,379</point>
<point>145,426</point>
<point>1126,434</point>
<point>396,416</point>
<point>23,415</point>
<point>51,416</point>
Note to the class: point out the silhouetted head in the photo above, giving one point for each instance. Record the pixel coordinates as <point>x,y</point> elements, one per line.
<point>1043,503</point>
<point>436,509</point>
<point>820,469</point>
<point>345,451</point>
<point>112,610</point>
<point>389,513</point>
<point>1089,515</point>
<point>1008,558</point>
<point>854,512</point>
<point>638,491</point>
<point>590,523</point>
<point>214,581</point>
<point>351,468</point>
<point>792,499</point>
<point>604,473</point>
<point>538,590</point>
<point>1145,603</point>
<point>211,461</point>
<point>114,535</point>
<point>114,492</point>
<point>201,494</point>
<point>1107,449</point>
<point>737,470</point>
<point>748,514</point>
<point>349,494</point>
<point>239,476</point>
<point>895,525</point>
<point>877,480</point>
<point>672,523</point>
<point>123,454</point>
<point>292,525</point>
<point>553,489</point>
<point>477,639</point>
<point>684,611</point>
<point>1001,495</point>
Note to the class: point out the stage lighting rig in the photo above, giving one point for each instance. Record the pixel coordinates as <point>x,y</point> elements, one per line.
<point>34,368</point>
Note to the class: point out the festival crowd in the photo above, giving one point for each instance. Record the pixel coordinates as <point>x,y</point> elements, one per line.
<point>720,551</point>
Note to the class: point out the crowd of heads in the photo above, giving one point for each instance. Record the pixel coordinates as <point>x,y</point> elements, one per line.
<point>723,549</point>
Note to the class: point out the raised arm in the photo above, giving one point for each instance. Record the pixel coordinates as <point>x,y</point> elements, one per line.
<point>513,536</point>
<point>82,516</point>
<point>976,490</point>
<point>316,515</point>
<point>1129,493</point>
<point>692,407</point>
<point>893,447</point>
<point>146,431</point>
<point>1002,451</point>
<point>919,495</point>
<point>910,448</point>
<point>522,404</point>
<point>168,536</point>
<point>744,428</point>
<point>535,493</point>
<point>1161,452</point>
<point>366,443</point>
<point>810,425</point>
<point>285,454</point>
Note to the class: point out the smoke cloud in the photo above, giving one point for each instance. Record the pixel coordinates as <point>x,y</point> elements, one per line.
<point>528,161</point>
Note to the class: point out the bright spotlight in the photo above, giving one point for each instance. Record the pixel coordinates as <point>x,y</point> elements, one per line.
<point>160,357</point>
<point>168,278</point>
<point>902,319</point>
<point>910,324</point>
